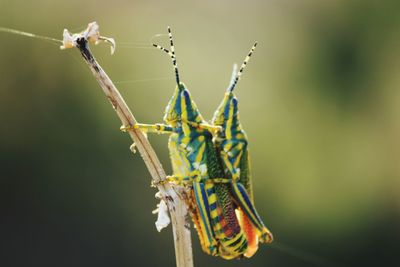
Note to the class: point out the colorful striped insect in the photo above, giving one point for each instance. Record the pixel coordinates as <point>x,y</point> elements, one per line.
<point>197,163</point>
<point>232,145</point>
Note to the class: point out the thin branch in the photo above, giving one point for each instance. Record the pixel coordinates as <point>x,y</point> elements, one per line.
<point>173,199</point>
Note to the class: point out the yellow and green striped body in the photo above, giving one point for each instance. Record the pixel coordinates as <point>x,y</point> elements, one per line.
<point>197,164</point>
<point>221,208</point>
<point>195,159</point>
<point>232,145</point>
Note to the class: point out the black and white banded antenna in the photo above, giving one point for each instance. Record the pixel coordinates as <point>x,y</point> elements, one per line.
<point>171,53</point>
<point>236,78</point>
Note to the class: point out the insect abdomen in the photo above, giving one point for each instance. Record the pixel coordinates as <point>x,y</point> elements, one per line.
<point>225,223</point>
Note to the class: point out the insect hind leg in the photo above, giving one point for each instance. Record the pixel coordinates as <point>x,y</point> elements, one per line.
<point>243,201</point>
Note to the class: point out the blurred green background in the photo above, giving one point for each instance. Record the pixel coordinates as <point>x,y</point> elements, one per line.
<point>320,101</point>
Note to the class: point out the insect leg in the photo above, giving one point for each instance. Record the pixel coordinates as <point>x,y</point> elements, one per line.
<point>232,155</point>
<point>243,201</point>
<point>150,128</point>
<point>203,202</point>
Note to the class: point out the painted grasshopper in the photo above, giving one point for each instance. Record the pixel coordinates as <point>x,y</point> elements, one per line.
<point>214,197</point>
<point>232,145</point>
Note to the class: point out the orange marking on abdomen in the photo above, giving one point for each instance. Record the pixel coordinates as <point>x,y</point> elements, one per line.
<point>250,232</point>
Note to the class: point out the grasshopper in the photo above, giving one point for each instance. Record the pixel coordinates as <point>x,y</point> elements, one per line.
<point>232,145</point>
<point>197,163</point>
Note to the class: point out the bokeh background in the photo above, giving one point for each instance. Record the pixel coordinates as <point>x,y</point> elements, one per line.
<point>320,101</point>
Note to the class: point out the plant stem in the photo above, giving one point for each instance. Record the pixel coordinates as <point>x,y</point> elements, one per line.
<point>174,200</point>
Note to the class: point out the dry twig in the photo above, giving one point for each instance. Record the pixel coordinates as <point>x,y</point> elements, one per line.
<point>174,201</point>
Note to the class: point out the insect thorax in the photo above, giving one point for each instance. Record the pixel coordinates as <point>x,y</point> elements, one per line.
<point>181,108</point>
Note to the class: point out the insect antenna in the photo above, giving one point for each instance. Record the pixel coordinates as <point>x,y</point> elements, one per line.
<point>171,53</point>
<point>239,74</point>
